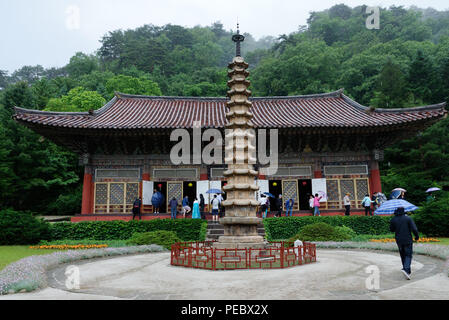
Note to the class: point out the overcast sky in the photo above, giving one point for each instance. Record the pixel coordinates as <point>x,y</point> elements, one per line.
<point>49,32</point>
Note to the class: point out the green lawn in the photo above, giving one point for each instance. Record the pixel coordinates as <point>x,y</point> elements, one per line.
<point>9,254</point>
<point>444,241</point>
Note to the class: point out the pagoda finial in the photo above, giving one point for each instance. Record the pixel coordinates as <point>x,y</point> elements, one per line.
<point>237,38</point>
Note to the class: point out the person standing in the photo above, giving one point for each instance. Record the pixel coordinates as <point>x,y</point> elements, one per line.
<point>202,206</point>
<point>289,207</point>
<point>403,226</point>
<point>137,205</point>
<point>185,206</point>
<point>263,204</point>
<point>311,202</point>
<point>316,205</point>
<point>347,204</point>
<point>279,206</point>
<point>215,208</point>
<point>174,208</point>
<point>156,201</point>
<point>196,209</point>
<point>366,203</point>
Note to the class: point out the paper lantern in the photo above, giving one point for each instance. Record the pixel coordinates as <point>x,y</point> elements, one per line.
<point>190,185</point>
<point>275,184</point>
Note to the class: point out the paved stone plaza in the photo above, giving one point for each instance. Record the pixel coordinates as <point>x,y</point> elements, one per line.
<point>338,274</point>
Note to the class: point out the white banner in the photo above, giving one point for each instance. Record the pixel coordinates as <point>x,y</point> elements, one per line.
<point>320,186</point>
<point>264,186</point>
<point>201,188</point>
<point>147,192</point>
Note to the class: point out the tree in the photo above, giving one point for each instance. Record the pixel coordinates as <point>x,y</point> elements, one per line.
<point>391,87</point>
<point>131,85</point>
<point>42,90</point>
<point>3,79</point>
<point>82,64</point>
<point>78,99</point>
<point>29,74</point>
<point>18,95</point>
<point>421,78</point>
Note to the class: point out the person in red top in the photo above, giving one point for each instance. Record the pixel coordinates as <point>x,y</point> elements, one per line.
<point>316,205</point>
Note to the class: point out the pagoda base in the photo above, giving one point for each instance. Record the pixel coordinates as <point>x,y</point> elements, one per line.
<point>240,242</point>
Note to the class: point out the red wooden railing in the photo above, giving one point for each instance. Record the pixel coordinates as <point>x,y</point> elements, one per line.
<point>277,255</point>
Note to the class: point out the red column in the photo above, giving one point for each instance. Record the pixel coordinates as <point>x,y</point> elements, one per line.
<point>376,184</point>
<point>86,207</point>
<point>317,174</point>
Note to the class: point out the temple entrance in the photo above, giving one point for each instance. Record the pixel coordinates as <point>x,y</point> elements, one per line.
<point>189,189</point>
<point>275,188</point>
<point>162,187</point>
<point>305,190</point>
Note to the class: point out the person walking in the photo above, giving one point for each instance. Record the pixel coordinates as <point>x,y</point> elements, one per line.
<point>202,206</point>
<point>267,206</point>
<point>263,204</point>
<point>185,206</point>
<point>316,205</point>
<point>196,209</point>
<point>215,208</point>
<point>347,204</point>
<point>174,208</point>
<point>137,205</point>
<point>403,226</point>
<point>289,207</point>
<point>366,203</point>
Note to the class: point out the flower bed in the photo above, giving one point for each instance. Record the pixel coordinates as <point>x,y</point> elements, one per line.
<point>29,274</point>
<point>70,247</point>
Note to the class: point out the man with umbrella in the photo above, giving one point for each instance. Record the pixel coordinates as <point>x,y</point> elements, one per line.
<point>403,226</point>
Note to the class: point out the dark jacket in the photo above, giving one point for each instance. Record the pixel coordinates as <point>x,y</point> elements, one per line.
<point>403,226</point>
<point>173,203</point>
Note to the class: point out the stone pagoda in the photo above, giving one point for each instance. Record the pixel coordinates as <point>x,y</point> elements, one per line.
<point>241,220</point>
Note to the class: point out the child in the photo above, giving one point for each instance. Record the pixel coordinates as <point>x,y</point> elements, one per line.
<point>316,205</point>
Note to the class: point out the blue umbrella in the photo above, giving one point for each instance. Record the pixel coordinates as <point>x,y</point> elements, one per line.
<point>390,206</point>
<point>269,194</point>
<point>214,191</point>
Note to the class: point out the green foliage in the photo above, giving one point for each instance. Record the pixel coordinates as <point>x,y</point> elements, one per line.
<point>323,232</point>
<point>160,237</point>
<point>432,219</point>
<point>286,227</point>
<point>132,85</point>
<point>186,230</point>
<point>78,99</point>
<point>110,243</point>
<point>21,228</point>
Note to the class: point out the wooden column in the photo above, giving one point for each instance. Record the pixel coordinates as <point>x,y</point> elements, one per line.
<point>374,178</point>
<point>87,203</point>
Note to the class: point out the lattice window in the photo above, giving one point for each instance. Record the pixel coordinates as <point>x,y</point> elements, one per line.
<point>345,170</point>
<point>290,190</point>
<point>337,189</point>
<point>362,188</point>
<point>101,193</point>
<point>132,192</point>
<point>115,197</point>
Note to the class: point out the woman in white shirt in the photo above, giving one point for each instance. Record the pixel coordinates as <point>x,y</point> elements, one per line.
<point>347,204</point>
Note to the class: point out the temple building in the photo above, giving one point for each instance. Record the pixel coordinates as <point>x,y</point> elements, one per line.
<point>327,142</point>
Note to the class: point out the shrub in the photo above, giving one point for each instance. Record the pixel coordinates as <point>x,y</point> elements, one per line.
<point>161,237</point>
<point>322,232</point>
<point>286,227</point>
<point>432,218</point>
<point>345,232</point>
<point>185,229</point>
<point>20,228</point>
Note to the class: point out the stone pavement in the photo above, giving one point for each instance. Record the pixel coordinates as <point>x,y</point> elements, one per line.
<point>338,274</point>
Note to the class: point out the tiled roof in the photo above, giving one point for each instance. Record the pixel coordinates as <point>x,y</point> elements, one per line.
<point>330,110</point>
